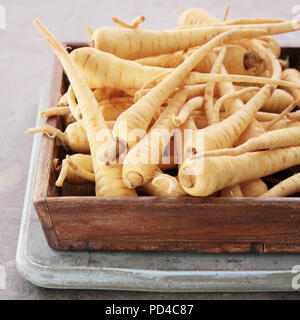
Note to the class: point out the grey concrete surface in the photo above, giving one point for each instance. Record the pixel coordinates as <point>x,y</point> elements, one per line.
<point>25,65</point>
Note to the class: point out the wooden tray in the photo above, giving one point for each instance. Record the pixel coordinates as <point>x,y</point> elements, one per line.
<point>74,219</point>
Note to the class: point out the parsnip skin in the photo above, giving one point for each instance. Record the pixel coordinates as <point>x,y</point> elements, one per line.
<point>232,192</point>
<point>285,188</point>
<point>139,115</point>
<point>132,75</point>
<point>292,75</point>
<point>172,60</point>
<point>163,185</point>
<point>282,138</point>
<point>133,44</point>
<point>142,160</point>
<point>226,133</point>
<point>73,139</point>
<point>225,171</point>
<point>279,100</point>
<point>80,171</point>
<point>112,72</point>
<point>201,17</point>
<point>254,188</point>
<point>135,80</point>
<point>70,176</point>
<point>233,130</point>
<point>108,178</point>
<point>238,61</point>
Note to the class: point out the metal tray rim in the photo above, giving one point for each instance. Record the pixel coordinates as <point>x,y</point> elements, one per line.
<point>89,277</point>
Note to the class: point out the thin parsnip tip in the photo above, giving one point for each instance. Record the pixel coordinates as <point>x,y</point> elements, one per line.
<point>29,131</point>
<point>90,31</point>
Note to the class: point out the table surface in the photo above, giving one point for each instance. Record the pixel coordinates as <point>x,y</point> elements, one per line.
<point>26,64</point>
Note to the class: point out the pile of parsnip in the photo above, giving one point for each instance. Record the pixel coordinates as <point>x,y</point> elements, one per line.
<point>211,96</point>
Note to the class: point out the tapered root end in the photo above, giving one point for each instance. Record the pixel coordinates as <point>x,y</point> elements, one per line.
<point>187,178</point>
<point>37,22</point>
<point>41,28</point>
<point>90,31</point>
<point>34,130</point>
<point>43,115</point>
<point>29,131</point>
<point>180,9</point>
<point>133,180</point>
<point>63,174</point>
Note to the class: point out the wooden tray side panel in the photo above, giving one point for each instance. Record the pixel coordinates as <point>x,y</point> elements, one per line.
<point>45,177</point>
<point>151,224</point>
<point>44,216</point>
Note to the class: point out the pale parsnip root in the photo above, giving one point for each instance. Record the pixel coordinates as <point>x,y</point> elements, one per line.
<point>141,161</point>
<point>274,68</point>
<point>233,95</point>
<point>193,91</point>
<point>133,25</point>
<point>282,115</point>
<point>292,75</point>
<point>133,44</point>
<point>163,185</point>
<point>191,105</point>
<point>247,62</point>
<point>63,101</point>
<point>284,124</point>
<point>139,115</point>
<point>285,188</point>
<point>133,75</point>
<point>279,100</point>
<point>150,93</point>
<point>232,192</point>
<point>225,171</point>
<point>71,176</point>
<point>171,60</point>
<point>282,138</point>
<point>241,61</point>
<point>254,188</point>
<point>225,134</point>
<point>108,93</point>
<point>108,177</point>
<point>56,111</point>
<point>74,138</point>
<point>211,113</point>
<point>79,170</point>
<point>252,21</point>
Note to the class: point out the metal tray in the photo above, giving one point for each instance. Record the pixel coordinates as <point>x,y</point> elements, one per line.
<point>160,272</point>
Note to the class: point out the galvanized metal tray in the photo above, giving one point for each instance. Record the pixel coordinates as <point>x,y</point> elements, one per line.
<point>160,272</point>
